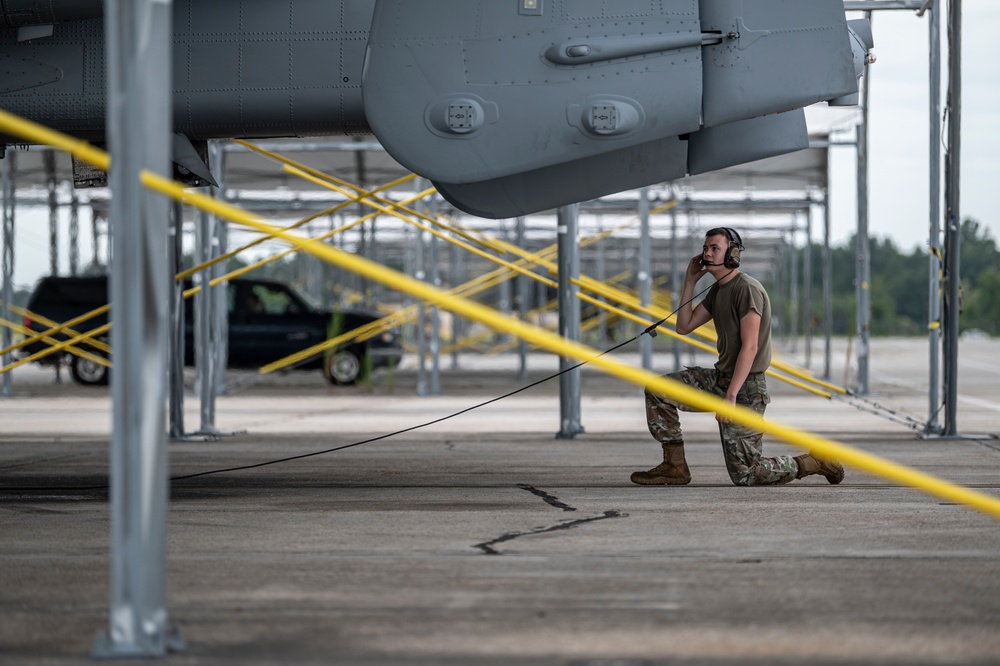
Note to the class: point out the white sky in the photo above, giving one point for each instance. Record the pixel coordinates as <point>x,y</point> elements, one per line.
<point>898,134</point>
<point>899,121</point>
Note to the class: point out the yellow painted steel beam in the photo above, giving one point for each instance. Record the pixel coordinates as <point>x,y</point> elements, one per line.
<point>589,284</point>
<point>83,337</point>
<point>388,207</point>
<point>821,446</point>
<point>100,330</point>
<point>55,327</point>
<point>699,400</point>
<point>188,293</point>
<point>329,211</point>
<point>82,353</point>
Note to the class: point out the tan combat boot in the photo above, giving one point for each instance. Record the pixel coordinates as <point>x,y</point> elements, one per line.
<point>673,471</point>
<point>810,464</point>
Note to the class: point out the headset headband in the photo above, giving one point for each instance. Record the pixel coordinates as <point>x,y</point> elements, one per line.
<point>734,237</point>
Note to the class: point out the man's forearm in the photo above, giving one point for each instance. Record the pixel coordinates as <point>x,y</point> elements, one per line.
<point>742,370</point>
<point>686,310</point>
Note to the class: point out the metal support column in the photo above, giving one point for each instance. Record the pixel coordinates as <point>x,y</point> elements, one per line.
<point>645,276</point>
<point>435,311</point>
<point>138,129</point>
<point>794,311</point>
<point>420,273</point>
<point>95,240</point>
<point>675,277</point>
<point>205,325</point>
<point>175,314</point>
<point>953,216</point>
<point>807,281</point>
<point>827,283</point>
<point>74,233</point>
<point>49,161</point>
<point>862,248</point>
<point>8,169</point>
<point>457,323</point>
<point>523,296</point>
<point>219,340</point>
<point>602,277</point>
<point>934,243</point>
<point>569,319</point>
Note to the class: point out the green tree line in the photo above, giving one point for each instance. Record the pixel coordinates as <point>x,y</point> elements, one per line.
<point>900,281</point>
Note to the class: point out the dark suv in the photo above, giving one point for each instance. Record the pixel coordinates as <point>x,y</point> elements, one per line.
<point>268,320</point>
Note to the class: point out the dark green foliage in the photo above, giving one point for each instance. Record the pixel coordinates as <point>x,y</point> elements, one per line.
<point>900,281</point>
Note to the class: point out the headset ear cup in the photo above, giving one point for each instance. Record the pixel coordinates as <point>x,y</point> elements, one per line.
<point>732,259</point>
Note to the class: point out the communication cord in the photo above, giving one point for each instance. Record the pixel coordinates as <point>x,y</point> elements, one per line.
<point>650,330</point>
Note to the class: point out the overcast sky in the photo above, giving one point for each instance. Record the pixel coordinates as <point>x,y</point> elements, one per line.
<point>899,124</point>
<point>898,134</point>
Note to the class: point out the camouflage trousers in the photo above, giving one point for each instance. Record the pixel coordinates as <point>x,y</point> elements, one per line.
<point>741,445</point>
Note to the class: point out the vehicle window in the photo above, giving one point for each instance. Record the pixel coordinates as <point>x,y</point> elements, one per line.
<point>84,293</point>
<point>270,300</point>
<point>230,298</point>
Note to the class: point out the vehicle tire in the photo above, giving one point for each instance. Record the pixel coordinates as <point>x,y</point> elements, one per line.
<point>346,366</point>
<point>88,372</point>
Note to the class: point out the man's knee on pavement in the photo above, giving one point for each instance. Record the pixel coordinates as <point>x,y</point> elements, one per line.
<point>741,476</point>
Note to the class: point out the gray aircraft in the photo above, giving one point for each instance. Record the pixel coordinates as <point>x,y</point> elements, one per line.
<point>508,106</point>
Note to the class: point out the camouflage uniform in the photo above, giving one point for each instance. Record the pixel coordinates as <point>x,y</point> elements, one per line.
<point>741,445</point>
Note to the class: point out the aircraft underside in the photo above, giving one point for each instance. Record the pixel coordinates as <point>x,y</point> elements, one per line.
<point>508,107</point>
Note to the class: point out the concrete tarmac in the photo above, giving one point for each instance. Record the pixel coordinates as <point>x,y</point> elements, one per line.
<point>484,539</point>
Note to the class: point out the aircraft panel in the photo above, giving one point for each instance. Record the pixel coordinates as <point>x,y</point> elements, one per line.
<point>777,56</point>
<point>515,97</point>
<point>603,10</point>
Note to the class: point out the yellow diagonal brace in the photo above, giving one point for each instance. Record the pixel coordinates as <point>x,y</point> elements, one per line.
<point>55,326</point>
<point>592,285</point>
<point>699,400</point>
<point>100,330</point>
<point>59,328</point>
<point>686,394</point>
<point>52,341</point>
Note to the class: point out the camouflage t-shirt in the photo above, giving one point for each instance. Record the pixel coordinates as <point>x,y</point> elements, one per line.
<point>728,304</point>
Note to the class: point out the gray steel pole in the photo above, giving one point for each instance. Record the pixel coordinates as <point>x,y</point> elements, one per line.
<point>827,281</point>
<point>645,275</point>
<point>435,312</point>
<point>139,121</point>
<point>175,425</point>
<point>523,291</point>
<point>205,338</point>
<point>49,160</point>
<point>934,243</point>
<point>569,318</point>
<point>95,239</point>
<point>602,276</point>
<point>74,234</point>
<point>457,323</point>
<point>8,169</point>
<point>863,260</point>
<point>675,277</point>
<point>219,339</point>
<point>807,280</point>
<point>420,272</point>
<point>953,214</point>
<point>794,311</point>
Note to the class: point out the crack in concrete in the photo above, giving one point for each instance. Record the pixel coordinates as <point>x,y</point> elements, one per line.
<point>549,499</point>
<point>488,549</point>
